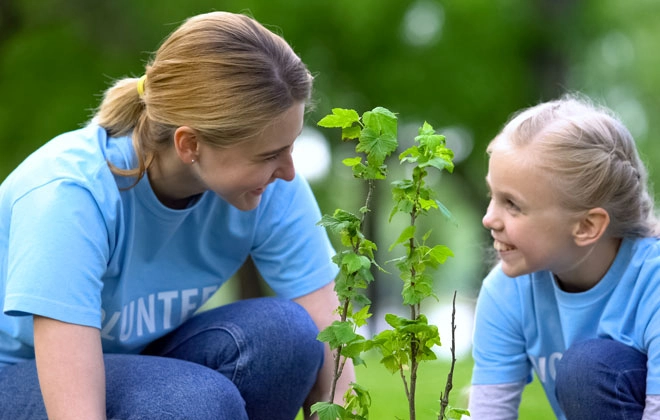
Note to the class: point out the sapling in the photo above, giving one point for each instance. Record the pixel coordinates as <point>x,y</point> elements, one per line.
<point>375,133</point>
<point>410,341</point>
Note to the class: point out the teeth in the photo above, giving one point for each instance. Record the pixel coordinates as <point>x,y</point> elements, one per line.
<point>500,247</point>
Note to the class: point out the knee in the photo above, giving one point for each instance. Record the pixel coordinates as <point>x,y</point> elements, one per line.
<point>578,362</point>
<point>210,397</point>
<point>294,325</point>
<point>187,390</point>
<point>600,374</point>
<point>290,329</point>
<point>290,319</point>
<point>592,363</point>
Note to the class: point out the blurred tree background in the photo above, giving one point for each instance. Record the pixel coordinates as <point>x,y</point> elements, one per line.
<point>463,66</point>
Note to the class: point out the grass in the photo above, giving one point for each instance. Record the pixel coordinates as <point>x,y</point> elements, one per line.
<point>388,400</point>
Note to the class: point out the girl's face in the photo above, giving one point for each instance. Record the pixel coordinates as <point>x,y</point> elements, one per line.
<point>530,230</point>
<point>239,174</point>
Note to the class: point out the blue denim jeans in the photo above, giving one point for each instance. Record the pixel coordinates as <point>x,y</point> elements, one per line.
<point>252,359</point>
<point>602,379</point>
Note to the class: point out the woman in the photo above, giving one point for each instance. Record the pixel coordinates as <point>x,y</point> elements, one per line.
<point>112,236</point>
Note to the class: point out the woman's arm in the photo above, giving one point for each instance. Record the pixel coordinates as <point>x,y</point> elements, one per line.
<point>69,361</point>
<point>321,306</point>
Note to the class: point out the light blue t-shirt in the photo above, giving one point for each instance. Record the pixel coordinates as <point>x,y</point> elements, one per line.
<point>76,246</point>
<point>528,322</point>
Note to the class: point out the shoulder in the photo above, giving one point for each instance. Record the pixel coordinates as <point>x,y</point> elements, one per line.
<point>645,250</point>
<point>643,261</point>
<point>77,155</point>
<point>68,164</point>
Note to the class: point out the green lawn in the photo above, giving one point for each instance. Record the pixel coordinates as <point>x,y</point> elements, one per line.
<point>389,400</point>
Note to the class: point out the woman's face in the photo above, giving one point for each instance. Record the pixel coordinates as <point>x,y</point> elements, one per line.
<point>239,174</point>
<point>531,231</point>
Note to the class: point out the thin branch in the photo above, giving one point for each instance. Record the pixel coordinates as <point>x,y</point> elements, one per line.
<point>444,398</point>
<point>405,382</point>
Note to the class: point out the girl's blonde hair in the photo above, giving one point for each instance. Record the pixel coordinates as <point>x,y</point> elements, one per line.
<point>592,159</point>
<point>222,74</point>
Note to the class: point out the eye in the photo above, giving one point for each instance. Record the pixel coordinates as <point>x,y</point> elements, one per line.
<point>271,157</point>
<point>511,205</point>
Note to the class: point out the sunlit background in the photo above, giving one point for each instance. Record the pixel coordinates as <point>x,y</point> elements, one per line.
<point>463,66</point>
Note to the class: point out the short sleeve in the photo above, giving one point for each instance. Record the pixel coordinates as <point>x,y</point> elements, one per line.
<point>499,347</point>
<point>57,254</point>
<point>293,253</point>
<point>651,319</point>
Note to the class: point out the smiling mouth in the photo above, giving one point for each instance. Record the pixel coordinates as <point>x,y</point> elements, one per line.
<point>502,247</point>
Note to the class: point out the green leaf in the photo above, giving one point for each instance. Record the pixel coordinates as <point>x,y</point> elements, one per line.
<point>350,133</point>
<point>396,321</point>
<point>358,401</point>
<point>445,212</point>
<point>382,120</point>
<point>338,333</point>
<point>391,363</point>
<point>352,161</point>
<point>354,262</point>
<point>407,234</point>
<point>427,204</point>
<point>340,118</point>
<point>439,253</point>
<point>376,146</point>
<point>443,161</point>
<point>456,413</point>
<point>353,349</point>
<point>360,317</point>
<point>328,411</point>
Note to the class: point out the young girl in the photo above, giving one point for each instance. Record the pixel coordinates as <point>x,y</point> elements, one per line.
<point>112,236</point>
<point>576,293</point>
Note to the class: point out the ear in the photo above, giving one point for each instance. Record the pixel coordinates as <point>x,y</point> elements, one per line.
<point>591,226</point>
<point>186,144</point>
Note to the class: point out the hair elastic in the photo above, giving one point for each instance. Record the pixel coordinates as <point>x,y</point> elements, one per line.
<point>140,85</point>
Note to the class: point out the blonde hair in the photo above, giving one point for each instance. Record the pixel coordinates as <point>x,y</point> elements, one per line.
<point>222,74</point>
<point>592,159</point>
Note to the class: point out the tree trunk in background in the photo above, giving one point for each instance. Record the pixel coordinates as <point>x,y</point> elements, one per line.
<point>10,21</point>
<point>549,60</point>
<point>249,281</point>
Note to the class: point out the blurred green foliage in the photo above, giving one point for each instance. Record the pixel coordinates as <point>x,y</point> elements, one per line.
<point>464,66</point>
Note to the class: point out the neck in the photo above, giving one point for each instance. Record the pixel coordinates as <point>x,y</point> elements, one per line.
<point>172,181</point>
<point>591,268</point>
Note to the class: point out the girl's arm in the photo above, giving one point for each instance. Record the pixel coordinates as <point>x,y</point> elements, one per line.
<point>495,402</point>
<point>69,361</point>
<point>321,306</point>
<point>652,408</point>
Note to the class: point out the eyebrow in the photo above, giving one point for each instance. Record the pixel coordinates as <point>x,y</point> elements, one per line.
<point>505,195</point>
<point>280,150</point>
<point>273,152</point>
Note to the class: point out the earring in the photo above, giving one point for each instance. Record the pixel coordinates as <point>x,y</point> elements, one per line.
<point>192,161</point>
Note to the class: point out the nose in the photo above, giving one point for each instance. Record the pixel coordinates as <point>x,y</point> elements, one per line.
<point>286,170</point>
<point>491,220</point>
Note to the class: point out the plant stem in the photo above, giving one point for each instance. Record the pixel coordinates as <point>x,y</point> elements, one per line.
<point>370,188</point>
<point>413,377</point>
<point>338,367</point>
<point>444,398</point>
<point>339,363</point>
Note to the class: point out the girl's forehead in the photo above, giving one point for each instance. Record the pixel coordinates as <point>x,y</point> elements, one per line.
<point>519,172</point>
<point>515,153</point>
